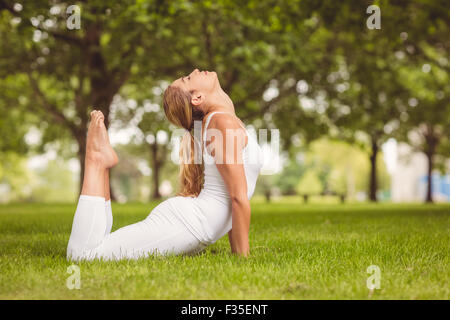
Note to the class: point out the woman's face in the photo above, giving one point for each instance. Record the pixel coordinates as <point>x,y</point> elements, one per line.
<point>205,82</point>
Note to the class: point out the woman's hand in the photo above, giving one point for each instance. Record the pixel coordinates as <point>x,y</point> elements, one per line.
<point>233,246</point>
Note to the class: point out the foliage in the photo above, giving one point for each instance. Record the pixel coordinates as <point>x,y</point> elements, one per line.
<point>337,167</point>
<point>54,183</point>
<point>310,68</point>
<point>309,183</point>
<point>14,177</point>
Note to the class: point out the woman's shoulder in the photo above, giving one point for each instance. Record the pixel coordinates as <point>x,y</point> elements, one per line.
<point>223,121</point>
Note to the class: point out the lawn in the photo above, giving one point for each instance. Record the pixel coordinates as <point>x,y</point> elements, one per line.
<point>298,251</point>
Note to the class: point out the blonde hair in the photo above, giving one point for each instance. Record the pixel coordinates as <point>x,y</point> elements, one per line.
<point>180,111</point>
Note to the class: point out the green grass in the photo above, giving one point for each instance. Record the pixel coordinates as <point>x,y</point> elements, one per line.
<point>297,252</point>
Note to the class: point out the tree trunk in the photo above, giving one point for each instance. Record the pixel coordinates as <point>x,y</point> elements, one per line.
<point>155,170</point>
<point>432,142</point>
<point>268,195</point>
<point>373,183</point>
<point>305,198</point>
<point>430,163</point>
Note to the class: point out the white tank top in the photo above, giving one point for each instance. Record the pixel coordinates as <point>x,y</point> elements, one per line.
<point>213,202</point>
<point>252,160</point>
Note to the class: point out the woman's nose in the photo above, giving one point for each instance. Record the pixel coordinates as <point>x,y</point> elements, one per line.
<point>195,71</point>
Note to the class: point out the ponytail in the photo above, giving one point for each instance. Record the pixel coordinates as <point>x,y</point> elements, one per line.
<point>182,113</point>
<point>191,173</point>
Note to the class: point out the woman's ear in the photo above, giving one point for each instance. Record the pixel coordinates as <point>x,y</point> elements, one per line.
<point>197,98</point>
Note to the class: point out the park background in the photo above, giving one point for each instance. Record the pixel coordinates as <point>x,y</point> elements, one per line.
<point>363,115</point>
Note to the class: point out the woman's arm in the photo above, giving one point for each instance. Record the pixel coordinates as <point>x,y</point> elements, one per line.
<point>229,162</point>
<point>230,239</point>
<point>241,226</point>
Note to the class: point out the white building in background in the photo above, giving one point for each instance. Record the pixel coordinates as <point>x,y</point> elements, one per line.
<point>409,178</point>
<point>410,167</point>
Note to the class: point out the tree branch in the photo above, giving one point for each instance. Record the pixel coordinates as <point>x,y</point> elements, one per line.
<point>208,45</point>
<point>49,107</point>
<point>267,105</point>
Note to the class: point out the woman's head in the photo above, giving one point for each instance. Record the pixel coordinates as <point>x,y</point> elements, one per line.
<point>187,98</point>
<point>185,101</point>
<point>201,85</point>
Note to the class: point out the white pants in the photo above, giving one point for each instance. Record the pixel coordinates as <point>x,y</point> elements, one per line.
<point>160,233</point>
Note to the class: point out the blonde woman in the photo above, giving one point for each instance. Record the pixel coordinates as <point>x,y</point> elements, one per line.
<point>214,195</point>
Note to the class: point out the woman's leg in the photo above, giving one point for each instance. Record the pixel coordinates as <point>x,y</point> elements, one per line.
<point>100,156</point>
<point>90,223</point>
<point>158,234</point>
<point>161,232</point>
<point>107,189</point>
<point>108,208</point>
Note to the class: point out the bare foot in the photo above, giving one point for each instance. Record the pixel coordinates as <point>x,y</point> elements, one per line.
<point>98,148</point>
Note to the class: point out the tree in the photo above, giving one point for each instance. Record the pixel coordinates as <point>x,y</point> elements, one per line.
<point>424,72</point>
<point>370,100</point>
<point>310,184</point>
<point>366,102</point>
<point>15,179</point>
<point>70,72</point>
<point>251,58</point>
<point>427,114</point>
<point>154,126</point>
<point>346,172</point>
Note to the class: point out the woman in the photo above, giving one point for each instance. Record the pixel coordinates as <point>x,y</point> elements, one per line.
<point>214,197</point>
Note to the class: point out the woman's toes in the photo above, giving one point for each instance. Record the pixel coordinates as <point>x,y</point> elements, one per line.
<point>100,121</point>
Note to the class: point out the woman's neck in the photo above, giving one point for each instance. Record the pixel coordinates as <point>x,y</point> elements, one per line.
<point>221,102</point>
